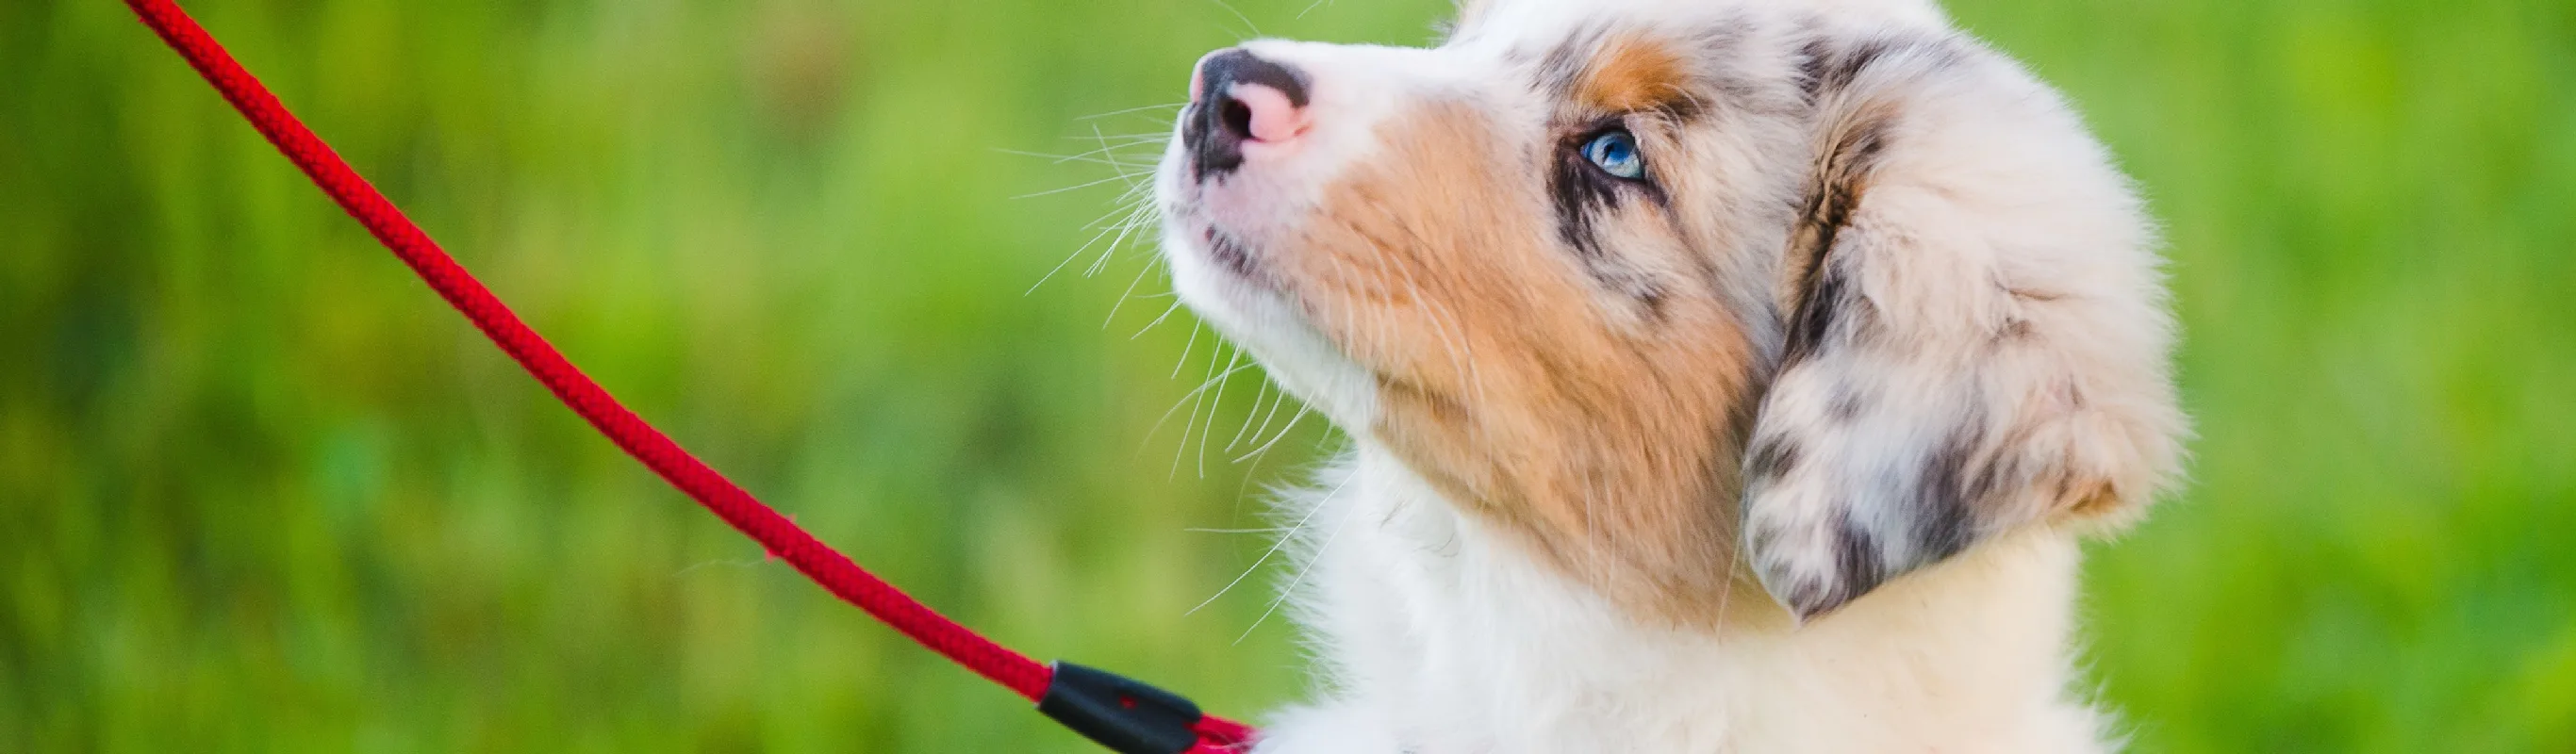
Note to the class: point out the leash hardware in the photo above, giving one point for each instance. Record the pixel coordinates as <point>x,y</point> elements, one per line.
<point>1124,714</point>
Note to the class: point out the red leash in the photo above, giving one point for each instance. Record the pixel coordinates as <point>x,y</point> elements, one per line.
<point>1122,714</point>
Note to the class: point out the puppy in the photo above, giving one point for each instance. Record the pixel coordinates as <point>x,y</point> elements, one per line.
<point>1721,375</point>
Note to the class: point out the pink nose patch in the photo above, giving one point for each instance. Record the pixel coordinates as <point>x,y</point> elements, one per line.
<point>1274,118</point>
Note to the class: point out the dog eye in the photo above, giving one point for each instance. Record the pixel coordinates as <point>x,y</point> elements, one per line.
<point>1615,152</point>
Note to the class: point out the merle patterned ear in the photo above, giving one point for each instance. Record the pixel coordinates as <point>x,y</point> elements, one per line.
<point>1976,334</point>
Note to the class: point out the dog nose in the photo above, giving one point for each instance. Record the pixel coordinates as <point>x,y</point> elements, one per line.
<point>1237,98</point>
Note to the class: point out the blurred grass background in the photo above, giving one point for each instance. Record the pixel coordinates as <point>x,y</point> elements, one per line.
<point>259,491</point>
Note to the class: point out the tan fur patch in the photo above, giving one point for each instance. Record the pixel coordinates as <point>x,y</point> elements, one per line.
<point>1610,444</point>
<point>1632,73</point>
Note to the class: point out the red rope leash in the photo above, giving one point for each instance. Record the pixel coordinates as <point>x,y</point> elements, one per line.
<point>827,567</point>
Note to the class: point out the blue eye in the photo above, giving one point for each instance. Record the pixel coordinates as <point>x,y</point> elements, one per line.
<point>1616,153</point>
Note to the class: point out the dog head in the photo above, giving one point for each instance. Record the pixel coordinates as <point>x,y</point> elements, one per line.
<point>1816,291</point>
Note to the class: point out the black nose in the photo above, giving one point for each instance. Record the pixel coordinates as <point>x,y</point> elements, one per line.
<point>1218,121</point>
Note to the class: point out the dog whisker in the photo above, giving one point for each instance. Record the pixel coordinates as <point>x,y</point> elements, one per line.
<point>1259,394</point>
<point>1214,405</point>
<point>1091,157</point>
<point>1285,593</point>
<point>1131,288</point>
<point>1302,410</point>
<point>1086,246</point>
<point>1135,110</point>
<point>1129,179</point>
<point>1275,547</point>
<point>1238,15</point>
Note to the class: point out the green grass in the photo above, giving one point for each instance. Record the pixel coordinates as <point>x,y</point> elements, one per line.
<point>260,491</point>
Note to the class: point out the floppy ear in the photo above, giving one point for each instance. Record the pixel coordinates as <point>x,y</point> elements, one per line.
<point>1976,332</point>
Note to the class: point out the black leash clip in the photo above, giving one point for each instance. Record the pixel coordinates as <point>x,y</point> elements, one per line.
<point>1121,713</point>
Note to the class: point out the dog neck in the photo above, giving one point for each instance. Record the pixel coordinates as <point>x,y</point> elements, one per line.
<point>1456,638</point>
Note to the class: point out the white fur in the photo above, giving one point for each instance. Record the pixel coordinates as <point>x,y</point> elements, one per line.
<point>1441,637</point>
